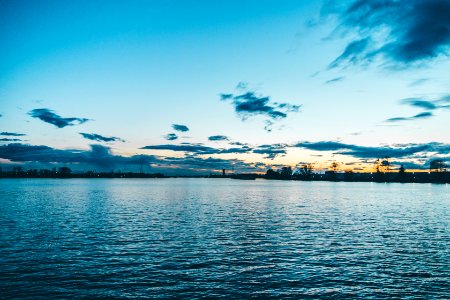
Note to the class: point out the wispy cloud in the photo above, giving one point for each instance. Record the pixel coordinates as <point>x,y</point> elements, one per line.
<point>4,133</point>
<point>179,127</point>
<point>9,140</point>
<point>401,33</point>
<point>427,105</point>
<point>100,138</point>
<point>423,115</point>
<point>441,103</point>
<point>50,117</point>
<point>335,80</point>
<point>185,147</point>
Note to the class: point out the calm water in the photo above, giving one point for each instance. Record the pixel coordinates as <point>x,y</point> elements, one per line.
<point>213,238</point>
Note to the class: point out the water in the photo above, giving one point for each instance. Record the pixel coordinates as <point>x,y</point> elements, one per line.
<point>222,238</point>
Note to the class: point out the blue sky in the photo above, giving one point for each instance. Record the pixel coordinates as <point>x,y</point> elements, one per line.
<point>355,72</point>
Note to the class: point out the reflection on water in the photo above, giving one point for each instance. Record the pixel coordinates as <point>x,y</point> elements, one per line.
<point>193,238</point>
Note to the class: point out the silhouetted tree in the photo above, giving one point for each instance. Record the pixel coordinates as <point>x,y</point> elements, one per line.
<point>286,172</point>
<point>64,171</point>
<point>306,171</point>
<point>271,174</point>
<point>401,174</point>
<point>437,165</point>
<point>334,166</point>
<point>349,175</point>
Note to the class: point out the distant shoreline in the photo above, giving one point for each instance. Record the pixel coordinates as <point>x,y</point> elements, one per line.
<point>422,177</point>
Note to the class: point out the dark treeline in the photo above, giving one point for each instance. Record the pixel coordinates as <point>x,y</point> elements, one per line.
<point>437,174</point>
<point>306,173</point>
<point>65,172</point>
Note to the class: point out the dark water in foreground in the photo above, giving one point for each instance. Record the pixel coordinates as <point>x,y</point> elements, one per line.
<point>212,238</point>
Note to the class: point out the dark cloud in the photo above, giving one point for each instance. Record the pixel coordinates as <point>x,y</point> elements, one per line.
<point>334,80</point>
<point>244,149</point>
<point>398,32</point>
<point>238,143</point>
<point>100,138</point>
<point>198,149</point>
<point>12,134</point>
<point>249,104</point>
<point>423,115</point>
<point>271,151</point>
<point>99,156</point>
<point>218,138</point>
<point>364,152</point>
<point>185,147</point>
<point>179,127</point>
<point>9,140</point>
<point>50,117</point>
<point>171,137</point>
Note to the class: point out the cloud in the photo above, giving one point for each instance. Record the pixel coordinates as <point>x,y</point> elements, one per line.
<point>50,117</point>
<point>353,54</point>
<point>419,81</point>
<point>171,136</point>
<point>99,156</point>
<point>197,149</point>
<point>334,80</point>
<point>397,32</point>
<point>364,152</point>
<point>249,104</point>
<point>218,138</point>
<point>271,151</point>
<point>12,134</point>
<point>179,127</point>
<point>235,150</point>
<point>9,140</point>
<point>441,103</point>
<point>100,138</point>
<point>427,105</point>
<point>185,147</point>
<point>423,115</point>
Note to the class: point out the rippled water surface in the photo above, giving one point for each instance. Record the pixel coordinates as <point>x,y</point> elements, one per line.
<point>213,238</point>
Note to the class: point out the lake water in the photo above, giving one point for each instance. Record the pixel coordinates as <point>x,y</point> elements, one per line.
<point>222,238</point>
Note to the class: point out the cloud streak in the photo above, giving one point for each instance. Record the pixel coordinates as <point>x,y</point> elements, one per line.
<point>48,116</point>
<point>100,138</point>
<point>4,133</point>
<point>423,115</point>
<point>427,105</point>
<point>365,152</point>
<point>9,140</point>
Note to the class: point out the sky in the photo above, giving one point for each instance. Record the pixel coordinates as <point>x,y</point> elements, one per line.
<point>197,86</point>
